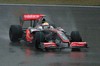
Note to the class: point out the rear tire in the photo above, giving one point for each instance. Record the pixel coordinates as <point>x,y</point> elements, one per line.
<point>15,33</point>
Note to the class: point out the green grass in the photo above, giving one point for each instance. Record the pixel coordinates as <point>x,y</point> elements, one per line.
<point>69,2</point>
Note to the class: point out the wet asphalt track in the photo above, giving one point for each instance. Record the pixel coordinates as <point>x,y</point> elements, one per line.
<point>84,19</point>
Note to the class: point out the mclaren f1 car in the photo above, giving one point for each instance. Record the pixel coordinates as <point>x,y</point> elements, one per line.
<point>51,38</point>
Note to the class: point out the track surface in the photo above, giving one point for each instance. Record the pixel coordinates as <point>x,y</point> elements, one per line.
<point>84,19</point>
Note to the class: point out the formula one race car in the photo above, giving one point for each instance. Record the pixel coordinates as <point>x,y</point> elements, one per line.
<point>44,35</point>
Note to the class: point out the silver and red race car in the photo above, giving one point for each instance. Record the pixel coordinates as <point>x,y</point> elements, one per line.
<point>51,38</point>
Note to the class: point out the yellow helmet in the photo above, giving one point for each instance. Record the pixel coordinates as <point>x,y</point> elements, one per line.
<point>46,23</point>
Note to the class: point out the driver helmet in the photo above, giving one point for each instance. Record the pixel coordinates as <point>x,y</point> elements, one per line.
<point>45,25</point>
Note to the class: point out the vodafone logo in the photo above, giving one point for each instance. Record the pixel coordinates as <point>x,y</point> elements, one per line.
<point>31,16</point>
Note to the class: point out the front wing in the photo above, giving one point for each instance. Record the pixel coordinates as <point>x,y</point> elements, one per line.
<point>78,45</point>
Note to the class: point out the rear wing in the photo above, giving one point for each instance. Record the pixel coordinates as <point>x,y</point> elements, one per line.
<point>31,17</point>
<point>27,17</point>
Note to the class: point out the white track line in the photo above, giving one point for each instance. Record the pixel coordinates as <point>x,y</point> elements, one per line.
<point>48,5</point>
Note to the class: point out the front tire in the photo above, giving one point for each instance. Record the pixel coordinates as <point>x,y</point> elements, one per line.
<point>76,49</point>
<point>75,37</point>
<point>38,38</point>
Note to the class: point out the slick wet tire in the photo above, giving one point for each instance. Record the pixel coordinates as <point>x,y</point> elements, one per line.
<point>15,33</point>
<point>75,36</point>
<point>38,38</point>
